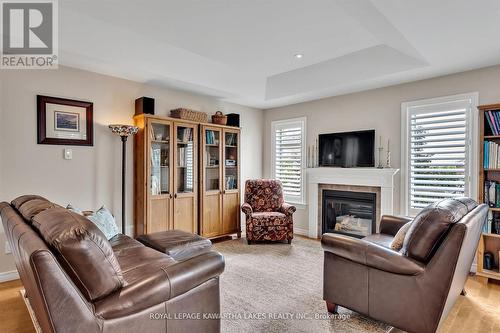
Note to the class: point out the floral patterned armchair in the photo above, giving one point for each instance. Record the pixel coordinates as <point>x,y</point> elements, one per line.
<point>268,217</point>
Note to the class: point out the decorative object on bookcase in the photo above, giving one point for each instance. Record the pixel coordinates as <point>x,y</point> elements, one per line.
<point>144,105</point>
<point>187,114</point>
<point>489,261</point>
<point>233,119</point>
<point>219,118</point>
<point>489,186</point>
<point>124,131</point>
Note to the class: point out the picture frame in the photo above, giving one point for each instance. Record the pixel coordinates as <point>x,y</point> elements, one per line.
<point>62,121</point>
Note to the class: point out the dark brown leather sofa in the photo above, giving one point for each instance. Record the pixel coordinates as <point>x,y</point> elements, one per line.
<point>78,281</point>
<point>415,288</point>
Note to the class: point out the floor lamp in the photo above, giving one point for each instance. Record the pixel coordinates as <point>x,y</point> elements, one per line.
<point>124,131</point>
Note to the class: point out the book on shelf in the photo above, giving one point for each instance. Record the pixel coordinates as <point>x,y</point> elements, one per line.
<point>210,138</point>
<point>493,121</point>
<point>492,193</point>
<point>231,139</point>
<point>185,134</point>
<point>491,158</point>
<point>231,182</point>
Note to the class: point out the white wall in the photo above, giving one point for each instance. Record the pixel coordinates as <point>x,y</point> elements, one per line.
<point>93,177</point>
<point>378,109</point>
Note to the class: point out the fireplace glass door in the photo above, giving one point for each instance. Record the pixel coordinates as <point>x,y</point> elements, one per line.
<point>350,213</point>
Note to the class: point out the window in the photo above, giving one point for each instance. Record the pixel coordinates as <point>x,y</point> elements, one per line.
<point>437,159</point>
<point>288,157</point>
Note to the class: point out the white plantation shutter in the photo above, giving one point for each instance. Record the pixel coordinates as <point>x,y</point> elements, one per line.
<point>288,157</point>
<point>438,152</point>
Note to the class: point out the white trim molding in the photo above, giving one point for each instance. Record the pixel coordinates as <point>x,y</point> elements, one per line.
<point>472,143</point>
<point>8,276</point>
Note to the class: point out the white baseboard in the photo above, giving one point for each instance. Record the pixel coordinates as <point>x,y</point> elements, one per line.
<point>9,276</point>
<point>301,231</point>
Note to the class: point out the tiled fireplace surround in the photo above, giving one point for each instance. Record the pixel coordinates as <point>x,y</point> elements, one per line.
<point>368,180</point>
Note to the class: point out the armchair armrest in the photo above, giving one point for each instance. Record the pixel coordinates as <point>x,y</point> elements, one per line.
<point>160,286</point>
<point>288,209</point>
<point>370,254</point>
<point>390,224</point>
<point>246,209</point>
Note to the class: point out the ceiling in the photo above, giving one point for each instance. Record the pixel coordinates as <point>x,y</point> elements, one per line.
<point>243,51</point>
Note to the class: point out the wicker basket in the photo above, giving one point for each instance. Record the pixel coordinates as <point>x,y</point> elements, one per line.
<point>219,119</point>
<point>188,114</point>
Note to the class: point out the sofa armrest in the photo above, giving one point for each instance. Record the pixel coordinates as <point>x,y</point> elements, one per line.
<point>370,254</point>
<point>390,224</point>
<point>288,209</point>
<point>246,209</point>
<point>167,283</point>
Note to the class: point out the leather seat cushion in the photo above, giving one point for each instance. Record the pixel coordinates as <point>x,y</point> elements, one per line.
<point>380,239</point>
<point>178,244</point>
<point>122,241</point>
<point>430,226</point>
<point>85,253</point>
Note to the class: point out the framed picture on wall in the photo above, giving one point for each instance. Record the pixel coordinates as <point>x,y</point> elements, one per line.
<point>64,121</point>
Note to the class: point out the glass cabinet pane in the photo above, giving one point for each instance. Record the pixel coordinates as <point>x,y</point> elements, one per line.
<point>231,161</point>
<point>160,162</point>
<point>212,160</point>
<point>185,159</point>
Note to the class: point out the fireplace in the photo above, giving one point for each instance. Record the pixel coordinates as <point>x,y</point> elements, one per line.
<point>350,213</point>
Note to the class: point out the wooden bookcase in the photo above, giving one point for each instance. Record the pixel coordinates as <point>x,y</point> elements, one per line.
<point>165,175</point>
<point>184,182</point>
<point>488,242</point>
<point>220,181</point>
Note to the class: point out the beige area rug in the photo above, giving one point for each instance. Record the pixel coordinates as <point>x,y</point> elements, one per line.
<point>276,287</point>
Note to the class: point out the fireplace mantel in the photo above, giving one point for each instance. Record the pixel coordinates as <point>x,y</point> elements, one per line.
<point>373,177</point>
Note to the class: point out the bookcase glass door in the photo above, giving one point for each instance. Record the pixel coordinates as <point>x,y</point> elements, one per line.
<point>160,159</point>
<point>212,160</point>
<point>185,159</point>
<point>231,161</point>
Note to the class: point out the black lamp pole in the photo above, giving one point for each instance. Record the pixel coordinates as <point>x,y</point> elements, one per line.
<point>124,131</point>
<point>124,166</point>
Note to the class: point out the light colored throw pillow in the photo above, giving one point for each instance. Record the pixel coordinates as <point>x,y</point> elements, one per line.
<point>397,242</point>
<point>103,219</point>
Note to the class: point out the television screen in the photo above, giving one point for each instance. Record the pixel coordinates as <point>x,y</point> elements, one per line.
<point>347,150</point>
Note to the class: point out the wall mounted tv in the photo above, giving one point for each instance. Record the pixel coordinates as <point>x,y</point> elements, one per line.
<point>347,150</point>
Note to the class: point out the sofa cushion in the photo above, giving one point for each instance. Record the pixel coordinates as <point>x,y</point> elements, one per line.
<point>83,251</point>
<point>19,201</point>
<point>399,238</point>
<point>430,226</point>
<point>33,207</point>
<point>121,241</point>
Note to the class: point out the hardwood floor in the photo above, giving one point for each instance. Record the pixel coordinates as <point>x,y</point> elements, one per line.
<point>14,316</point>
<point>478,312</point>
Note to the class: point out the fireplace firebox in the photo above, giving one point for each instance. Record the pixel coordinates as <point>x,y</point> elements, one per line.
<point>349,213</point>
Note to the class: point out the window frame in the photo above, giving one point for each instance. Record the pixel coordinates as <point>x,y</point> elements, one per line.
<point>276,124</point>
<point>471,153</point>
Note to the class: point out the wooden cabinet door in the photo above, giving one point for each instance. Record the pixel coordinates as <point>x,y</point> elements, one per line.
<point>159,175</point>
<point>231,186</point>
<point>231,212</point>
<point>185,177</point>
<point>211,181</point>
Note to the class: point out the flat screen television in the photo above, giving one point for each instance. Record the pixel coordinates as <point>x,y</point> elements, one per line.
<point>347,150</point>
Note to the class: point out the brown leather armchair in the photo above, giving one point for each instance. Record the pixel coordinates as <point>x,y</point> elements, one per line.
<point>268,217</point>
<point>412,289</point>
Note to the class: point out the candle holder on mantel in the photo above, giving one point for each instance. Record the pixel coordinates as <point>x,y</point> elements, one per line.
<point>380,150</point>
<point>388,159</point>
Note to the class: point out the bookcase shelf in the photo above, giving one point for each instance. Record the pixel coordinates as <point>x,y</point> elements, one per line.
<point>489,242</point>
